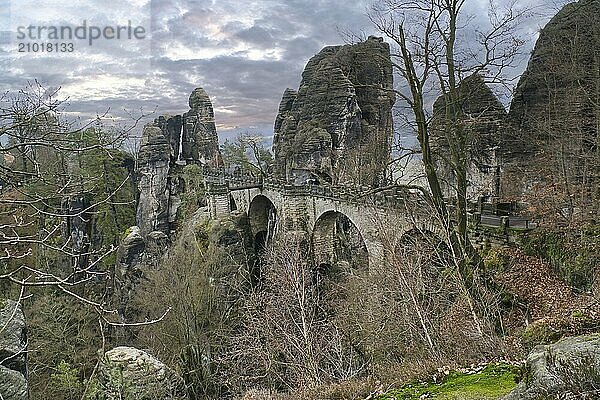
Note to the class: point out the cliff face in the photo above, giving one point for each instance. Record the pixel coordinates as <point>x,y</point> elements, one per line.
<point>168,144</point>
<point>338,127</point>
<point>561,80</point>
<point>554,117</point>
<point>154,162</point>
<point>482,120</point>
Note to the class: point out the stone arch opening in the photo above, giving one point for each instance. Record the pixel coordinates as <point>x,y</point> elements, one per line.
<point>263,221</point>
<point>336,239</point>
<point>338,251</point>
<point>232,204</point>
<point>426,264</point>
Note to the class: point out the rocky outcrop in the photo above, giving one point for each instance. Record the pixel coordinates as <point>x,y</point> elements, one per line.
<point>172,128</point>
<point>555,113</point>
<point>154,163</point>
<point>561,79</point>
<point>136,255</point>
<point>13,346</point>
<point>569,368</point>
<point>80,223</point>
<point>482,118</point>
<point>135,374</point>
<point>338,127</point>
<point>129,268</point>
<point>168,144</point>
<point>200,141</point>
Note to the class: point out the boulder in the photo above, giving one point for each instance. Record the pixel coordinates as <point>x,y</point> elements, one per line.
<point>569,368</point>
<point>13,347</point>
<point>13,385</point>
<point>129,373</point>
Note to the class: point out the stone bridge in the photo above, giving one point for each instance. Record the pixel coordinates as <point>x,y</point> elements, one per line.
<point>312,212</point>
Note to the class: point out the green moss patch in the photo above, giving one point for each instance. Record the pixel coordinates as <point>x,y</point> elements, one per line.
<point>492,383</point>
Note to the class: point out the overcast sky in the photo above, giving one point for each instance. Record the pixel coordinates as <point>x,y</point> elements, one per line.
<point>244,53</point>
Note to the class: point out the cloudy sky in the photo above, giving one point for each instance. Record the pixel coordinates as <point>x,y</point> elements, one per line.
<point>244,53</point>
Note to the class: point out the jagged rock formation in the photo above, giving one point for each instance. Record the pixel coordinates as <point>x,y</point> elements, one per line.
<point>555,112</point>
<point>13,348</point>
<point>561,79</point>
<point>568,368</point>
<point>168,144</point>
<point>482,118</point>
<point>138,375</point>
<point>193,135</point>
<point>154,163</point>
<point>200,142</point>
<point>338,127</point>
<point>172,128</point>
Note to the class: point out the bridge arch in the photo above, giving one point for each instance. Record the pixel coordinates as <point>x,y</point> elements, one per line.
<point>335,237</point>
<point>263,220</point>
<point>262,216</point>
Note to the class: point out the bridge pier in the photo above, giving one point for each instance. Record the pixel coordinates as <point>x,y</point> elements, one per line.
<point>218,200</point>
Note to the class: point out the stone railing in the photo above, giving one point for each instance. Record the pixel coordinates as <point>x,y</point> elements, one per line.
<point>356,195</point>
<point>222,177</point>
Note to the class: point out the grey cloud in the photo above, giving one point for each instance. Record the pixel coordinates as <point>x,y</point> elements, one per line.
<point>251,89</point>
<point>258,35</point>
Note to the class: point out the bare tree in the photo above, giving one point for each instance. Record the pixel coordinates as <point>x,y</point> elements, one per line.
<point>286,341</point>
<point>54,180</point>
<point>433,54</point>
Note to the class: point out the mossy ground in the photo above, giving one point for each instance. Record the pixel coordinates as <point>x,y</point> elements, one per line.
<point>492,383</point>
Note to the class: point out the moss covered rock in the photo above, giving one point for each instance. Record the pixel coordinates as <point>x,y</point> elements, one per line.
<point>569,368</point>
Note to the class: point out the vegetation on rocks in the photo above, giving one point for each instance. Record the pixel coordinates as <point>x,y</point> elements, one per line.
<point>294,301</point>
<point>490,383</point>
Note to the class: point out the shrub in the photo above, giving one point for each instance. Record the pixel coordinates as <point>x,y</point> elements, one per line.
<point>574,254</point>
